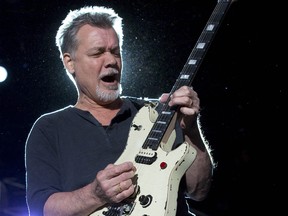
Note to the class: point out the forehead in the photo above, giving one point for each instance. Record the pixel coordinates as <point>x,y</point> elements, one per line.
<point>92,35</point>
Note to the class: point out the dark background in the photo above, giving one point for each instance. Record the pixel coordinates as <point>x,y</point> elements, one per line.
<point>240,84</point>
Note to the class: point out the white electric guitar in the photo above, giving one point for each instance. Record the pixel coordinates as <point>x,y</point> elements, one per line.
<point>159,167</point>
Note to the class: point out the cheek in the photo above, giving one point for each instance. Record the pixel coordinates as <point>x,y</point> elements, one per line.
<point>90,68</point>
<point>120,64</point>
<point>87,72</point>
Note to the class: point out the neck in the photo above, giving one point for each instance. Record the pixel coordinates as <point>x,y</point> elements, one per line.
<point>88,104</point>
<point>104,113</point>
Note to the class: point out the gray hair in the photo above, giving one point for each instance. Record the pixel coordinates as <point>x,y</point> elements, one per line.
<point>98,16</point>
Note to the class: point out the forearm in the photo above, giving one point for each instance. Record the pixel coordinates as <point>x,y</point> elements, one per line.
<point>199,174</point>
<point>199,177</point>
<point>78,202</point>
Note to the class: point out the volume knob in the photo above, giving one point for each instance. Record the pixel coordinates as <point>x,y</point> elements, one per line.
<point>145,200</point>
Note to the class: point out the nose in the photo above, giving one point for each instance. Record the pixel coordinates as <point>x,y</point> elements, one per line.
<point>110,60</point>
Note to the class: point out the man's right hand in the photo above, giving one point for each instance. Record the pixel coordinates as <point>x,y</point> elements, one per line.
<point>115,183</point>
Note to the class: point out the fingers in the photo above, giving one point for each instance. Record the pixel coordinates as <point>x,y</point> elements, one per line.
<point>164,97</point>
<point>187,99</point>
<point>119,188</point>
<point>124,188</point>
<point>113,170</point>
<point>114,183</point>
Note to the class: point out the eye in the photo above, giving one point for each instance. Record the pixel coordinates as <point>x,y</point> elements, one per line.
<point>116,52</point>
<point>97,54</point>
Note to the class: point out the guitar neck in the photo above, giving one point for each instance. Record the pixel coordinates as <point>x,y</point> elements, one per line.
<point>188,72</point>
<point>203,43</point>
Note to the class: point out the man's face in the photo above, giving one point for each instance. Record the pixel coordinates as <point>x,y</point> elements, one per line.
<point>97,64</point>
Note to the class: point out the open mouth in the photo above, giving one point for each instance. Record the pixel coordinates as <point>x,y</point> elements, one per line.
<point>110,78</point>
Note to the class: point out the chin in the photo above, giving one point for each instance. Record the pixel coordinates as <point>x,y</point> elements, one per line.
<point>109,96</point>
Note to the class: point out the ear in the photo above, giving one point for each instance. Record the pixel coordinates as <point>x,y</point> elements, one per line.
<point>69,63</point>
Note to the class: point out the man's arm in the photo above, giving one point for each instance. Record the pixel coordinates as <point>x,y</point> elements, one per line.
<point>199,174</point>
<point>78,202</point>
<point>111,185</point>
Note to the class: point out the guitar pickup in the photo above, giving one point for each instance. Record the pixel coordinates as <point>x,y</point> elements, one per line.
<point>146,156</point>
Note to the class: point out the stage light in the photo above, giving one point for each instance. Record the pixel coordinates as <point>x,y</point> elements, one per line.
<point>3,74</point>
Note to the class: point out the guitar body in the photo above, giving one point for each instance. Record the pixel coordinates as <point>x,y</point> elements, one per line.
<point>157,183</point>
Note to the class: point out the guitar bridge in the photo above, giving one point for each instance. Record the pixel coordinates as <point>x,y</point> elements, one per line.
<point>121,210</point>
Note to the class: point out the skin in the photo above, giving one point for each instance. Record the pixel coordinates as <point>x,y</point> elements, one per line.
<point>98,54</point>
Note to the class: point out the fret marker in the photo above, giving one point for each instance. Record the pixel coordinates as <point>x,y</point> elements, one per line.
<point>166,113</point>
<point>157,131</point>
<point>184,76</point>
<point>192,62</point>
<point>210,27</point>
<point>200,45</point>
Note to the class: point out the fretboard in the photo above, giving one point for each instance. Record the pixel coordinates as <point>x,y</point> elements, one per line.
<point>188,73</point>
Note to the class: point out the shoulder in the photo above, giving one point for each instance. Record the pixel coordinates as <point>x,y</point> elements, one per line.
<point>54,116</point>
<point>48,124</point>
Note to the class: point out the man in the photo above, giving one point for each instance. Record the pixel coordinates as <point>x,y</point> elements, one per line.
<point>71,153</point>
